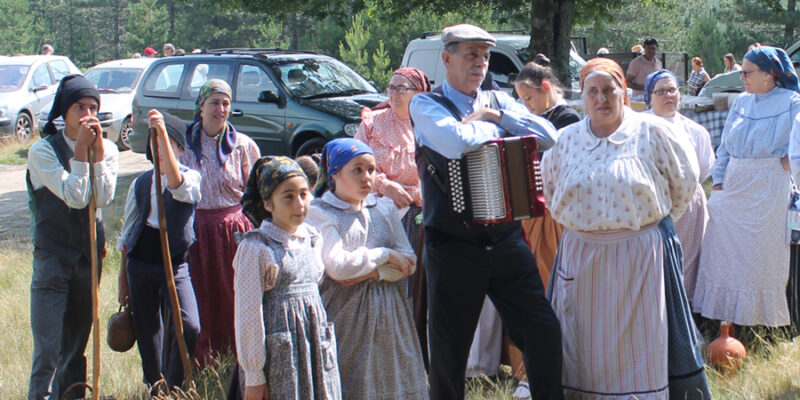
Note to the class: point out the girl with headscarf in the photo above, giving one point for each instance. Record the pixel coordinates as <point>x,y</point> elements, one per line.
<point>662,96</point>
<point>224,158</point>
<point>284,343</point>
<point>366,253</point>
<point>613,180</point>
<point>388,132</point>
<point>744,264</point>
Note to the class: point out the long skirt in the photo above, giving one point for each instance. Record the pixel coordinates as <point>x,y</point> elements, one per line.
<point>378,351</point>
<point>418,286</point>
<point>543,235</point>
<point>687,376</point>
<point>211,267</point>
<point>744,264</point>
<point>691,228</point>
<point>607,290</point>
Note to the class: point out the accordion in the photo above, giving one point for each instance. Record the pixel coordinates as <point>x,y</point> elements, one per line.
<point>501,181</point>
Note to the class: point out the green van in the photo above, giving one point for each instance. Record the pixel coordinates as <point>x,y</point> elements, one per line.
<point>290,102</point>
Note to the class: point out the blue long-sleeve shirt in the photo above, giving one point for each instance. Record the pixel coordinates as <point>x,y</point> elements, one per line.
<point>436,128</point>
<point>758,126</point>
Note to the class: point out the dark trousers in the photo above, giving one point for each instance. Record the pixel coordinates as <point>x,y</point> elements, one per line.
<point>460,274</point>
<point>61,319</point>
<point>148,293</point>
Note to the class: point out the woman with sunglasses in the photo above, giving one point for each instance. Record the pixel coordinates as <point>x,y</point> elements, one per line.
<point>744,264</point>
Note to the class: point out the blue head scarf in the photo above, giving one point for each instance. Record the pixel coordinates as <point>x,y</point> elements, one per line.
<point>652,79</point>
<point>227,138</point>
<point>336,154</point>
<point>775,61</point>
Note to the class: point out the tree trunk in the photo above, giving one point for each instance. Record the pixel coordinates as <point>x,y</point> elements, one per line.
<point>293,31</point>
<point>551,24</point>
<point>791,22</point>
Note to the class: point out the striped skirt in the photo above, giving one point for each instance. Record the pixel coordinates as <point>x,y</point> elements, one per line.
<point>607,290</point>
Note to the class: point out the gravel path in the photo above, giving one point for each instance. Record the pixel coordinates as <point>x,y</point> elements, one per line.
<point>14,212</point>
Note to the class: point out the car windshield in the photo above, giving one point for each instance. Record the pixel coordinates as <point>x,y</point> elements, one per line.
<point>12,76</point>
<point>319,78</point>
<point>115,80</point>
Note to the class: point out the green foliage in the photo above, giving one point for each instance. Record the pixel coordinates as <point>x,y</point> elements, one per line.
<point>353,51</point>
<point>706,41</point>
<point>381,71</point>
<point>13,15</point>
<point>147,25</point>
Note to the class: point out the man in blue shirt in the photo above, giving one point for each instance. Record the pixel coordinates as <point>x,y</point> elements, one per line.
<point>466,263</point>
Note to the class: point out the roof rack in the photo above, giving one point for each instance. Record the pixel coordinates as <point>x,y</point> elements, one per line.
<point>253,51</point>
<point>520,31</point>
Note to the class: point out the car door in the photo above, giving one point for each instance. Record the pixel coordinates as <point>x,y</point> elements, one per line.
<point>42,89</point>
<point>200,71</point>
<point>159,89</point>
<point>264,122</point>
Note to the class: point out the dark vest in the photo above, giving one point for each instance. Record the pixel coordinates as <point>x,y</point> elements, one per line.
<point>144,242</point>
<point>55,227</point>
<point>437,212</point>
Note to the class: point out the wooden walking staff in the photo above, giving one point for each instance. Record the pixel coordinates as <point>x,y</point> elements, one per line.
<point>167,260</point>
<point>95,277</point>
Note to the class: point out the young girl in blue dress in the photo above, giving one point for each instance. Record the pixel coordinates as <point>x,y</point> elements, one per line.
<point>366,252</point>
<point>284,343</point>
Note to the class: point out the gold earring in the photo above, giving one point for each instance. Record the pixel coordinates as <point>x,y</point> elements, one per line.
<point>547,103</point>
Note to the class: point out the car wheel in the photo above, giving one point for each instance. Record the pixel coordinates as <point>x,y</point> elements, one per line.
<point>123,141</point>
<point>23,128</point>
<point>311,146</point>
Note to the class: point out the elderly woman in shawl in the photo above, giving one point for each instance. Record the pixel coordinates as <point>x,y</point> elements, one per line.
<point>387,130</point>
<point>662,96</point>
<point>744,265</point>
<point>224,158</point>
<point>613,180</point>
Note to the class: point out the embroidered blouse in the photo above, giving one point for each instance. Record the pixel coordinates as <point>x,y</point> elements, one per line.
<point>222,186</point>
<point>634,177</point>
<point>391,137</point>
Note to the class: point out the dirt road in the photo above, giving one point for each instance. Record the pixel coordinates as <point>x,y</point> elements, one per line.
<point>14,212</point>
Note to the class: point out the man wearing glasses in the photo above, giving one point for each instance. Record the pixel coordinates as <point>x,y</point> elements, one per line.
<point>642,66</point>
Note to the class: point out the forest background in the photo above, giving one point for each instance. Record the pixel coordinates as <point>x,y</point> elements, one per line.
<point>371,35</point>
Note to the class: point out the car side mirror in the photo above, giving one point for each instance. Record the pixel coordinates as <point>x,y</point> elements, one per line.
<point>38,88</point>
<point>268,96</point>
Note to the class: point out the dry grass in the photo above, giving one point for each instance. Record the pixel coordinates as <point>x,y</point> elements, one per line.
<point>771,372</point>
<point>15,152</point>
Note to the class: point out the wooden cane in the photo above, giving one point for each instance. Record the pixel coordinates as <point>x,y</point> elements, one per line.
<point>95,278</point>
<point>167,260</point>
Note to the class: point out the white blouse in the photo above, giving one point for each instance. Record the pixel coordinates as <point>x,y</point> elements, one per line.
<point>255,271</point>
<point>700,139</point>
<point>636,176</point>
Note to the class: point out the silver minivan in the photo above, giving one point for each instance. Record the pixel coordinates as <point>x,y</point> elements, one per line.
<point>27,85</point>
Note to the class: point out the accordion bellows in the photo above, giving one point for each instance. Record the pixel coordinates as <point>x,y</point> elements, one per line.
<point>501,181</point>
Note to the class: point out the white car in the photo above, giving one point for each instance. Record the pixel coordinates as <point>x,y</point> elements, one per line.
<point>27,85</point>
<point>116,81</point>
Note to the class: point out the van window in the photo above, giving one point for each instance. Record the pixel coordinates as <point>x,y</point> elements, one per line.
<point>501,67</point>
<point>426,61</point>
<point>59,69</point>
<point>41,76</point>
<point>165,80</point>
<point>203,72</point>
<point>251,81</point>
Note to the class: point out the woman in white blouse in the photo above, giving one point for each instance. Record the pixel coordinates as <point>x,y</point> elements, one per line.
<point>613,180</point>
<point>662,95</point>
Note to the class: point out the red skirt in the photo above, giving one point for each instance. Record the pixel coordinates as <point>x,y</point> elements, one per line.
<point>211,267</point>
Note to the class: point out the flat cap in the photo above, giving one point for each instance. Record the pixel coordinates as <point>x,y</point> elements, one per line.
<point>466,33</point>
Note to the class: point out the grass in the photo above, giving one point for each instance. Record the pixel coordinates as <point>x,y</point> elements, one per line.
<point>15,152</point>
<point>771,371</point>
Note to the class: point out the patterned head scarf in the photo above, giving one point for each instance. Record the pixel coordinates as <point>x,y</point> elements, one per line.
<point>227,139</point>
<point>336,154</point>
<point>610,67</point>
<point>416,77</point>
<point>210,87</point>
<point>652,79</point>
<point>268,172</point>
<point>775,61</point>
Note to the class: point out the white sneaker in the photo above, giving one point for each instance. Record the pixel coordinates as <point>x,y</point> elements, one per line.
<point>522,392</point>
